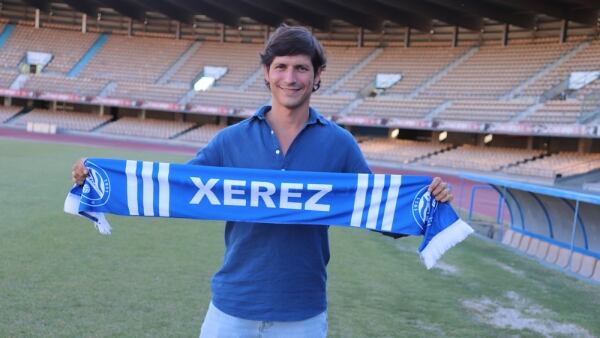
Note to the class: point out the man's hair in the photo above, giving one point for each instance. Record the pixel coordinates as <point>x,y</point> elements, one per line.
<point>294,40</point>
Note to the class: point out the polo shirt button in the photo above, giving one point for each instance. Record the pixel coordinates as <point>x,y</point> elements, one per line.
<point>282,169</point>
<point>272,132</point>
<point>277,151</point>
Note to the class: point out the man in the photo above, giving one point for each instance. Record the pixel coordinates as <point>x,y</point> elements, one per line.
<point>273,279</point>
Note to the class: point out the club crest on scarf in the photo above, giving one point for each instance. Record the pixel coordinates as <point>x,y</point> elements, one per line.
<point>421,205</point>
<point>96,189</point>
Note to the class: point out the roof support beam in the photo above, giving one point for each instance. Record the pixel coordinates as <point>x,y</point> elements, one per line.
<point>83,7</point>
<point>287,10</point>
<point>498,13</point>
<point>169,9</point>
<point>393,14</point>
<point>447,15</point>
<point>244,9</point>
<point>334,10</point>
<point>216,13</point>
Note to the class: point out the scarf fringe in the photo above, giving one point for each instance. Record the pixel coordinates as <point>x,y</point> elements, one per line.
<point>443,241</point>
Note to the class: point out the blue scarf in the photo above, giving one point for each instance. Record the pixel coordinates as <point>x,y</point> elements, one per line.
<point>398,204</point>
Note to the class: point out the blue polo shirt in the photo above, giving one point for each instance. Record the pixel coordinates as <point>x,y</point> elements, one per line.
<point>276,272</point>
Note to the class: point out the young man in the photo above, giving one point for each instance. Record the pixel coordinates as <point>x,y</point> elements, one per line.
<point>273,279</point>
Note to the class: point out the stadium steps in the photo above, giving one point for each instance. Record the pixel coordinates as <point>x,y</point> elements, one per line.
<point>358,67</point>
<point>196,126</point>
<point>437,110</point>
<point>108,89</point>
<point>251,79</point>
<point>185,99</point>
<point>19,81</point>
<point>350,107</point>
<point>428,155</point>
<point>435,78</point>
<point>579,179</point>
<point>527,112</point>
<point>6,33</point>
<point>185,56</point>
<point>523,161</point>
<point>113,119</point>
<point>11,120</point>
<point>545,70</point>
<point>88,56</point>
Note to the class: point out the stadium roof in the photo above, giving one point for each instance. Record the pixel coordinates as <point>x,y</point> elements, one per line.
<point>418,14</point>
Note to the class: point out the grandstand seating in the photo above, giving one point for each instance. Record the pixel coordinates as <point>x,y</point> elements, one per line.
<point>8,112</point>
<point>202,134</point>
<point>585,60</point>
<point>64,120</point>
<point>232,99</point>
<point>329,105</point>
<point>148,128</point>
<point>494,70</point>
<point>559,164</point>
<point>340,60</point>
<point>148,92</point>
<point>480,158</point>
<point>556,111</point>
<point>395,150</point>
<point>64,85</point>
<point>385,106</point>
<point>127,59</point>
<point>7,76</point>
<point>67,47</point>
<point>483,110</point>
<point>414,64</point>
<point>241,59</point>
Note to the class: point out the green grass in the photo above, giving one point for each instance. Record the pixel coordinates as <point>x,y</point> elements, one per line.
<point>60,278</point>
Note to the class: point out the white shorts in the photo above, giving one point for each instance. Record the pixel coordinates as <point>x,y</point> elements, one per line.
<point>218,324</point>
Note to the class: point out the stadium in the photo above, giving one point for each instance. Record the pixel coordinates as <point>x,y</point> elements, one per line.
<point>499,97</point>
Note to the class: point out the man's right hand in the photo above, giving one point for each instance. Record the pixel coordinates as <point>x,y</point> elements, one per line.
<point>79,172</point>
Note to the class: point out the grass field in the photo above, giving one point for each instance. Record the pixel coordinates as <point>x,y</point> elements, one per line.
<point>60,278</point>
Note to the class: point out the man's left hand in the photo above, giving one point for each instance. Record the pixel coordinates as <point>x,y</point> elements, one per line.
<point>440,190</point>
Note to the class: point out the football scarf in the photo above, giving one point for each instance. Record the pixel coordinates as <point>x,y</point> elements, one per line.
<point>398,204</point>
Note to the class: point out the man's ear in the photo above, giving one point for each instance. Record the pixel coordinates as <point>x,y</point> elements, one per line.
<point>265,69</point>
<point>318,74</point>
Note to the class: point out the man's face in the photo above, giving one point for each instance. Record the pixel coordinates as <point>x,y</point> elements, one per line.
<point>291,79</point>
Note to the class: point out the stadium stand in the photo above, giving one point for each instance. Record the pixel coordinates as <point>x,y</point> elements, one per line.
<point>483,110</point>
<point>202,134</point>
<point>395,150</point>
<point>329,104</point>
<point>389,106</point>
<point>240,59</point>
<point>481,158</point>
<point>147,92</point>
<point>64,120</point>
<point>126,59</point>
<point>556,111</point>
<point>231,99</point>
<point>7,76</point>
<point>65,85</point>
<point>495,70</point>
<point>8,112</point>
<point>585,60</point>
<point>558,165</point>
<point>67,47</point>
<point>147,128</point>
<point>414,64</point>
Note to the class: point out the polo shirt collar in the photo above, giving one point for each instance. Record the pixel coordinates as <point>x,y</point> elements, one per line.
<point>313,115</point>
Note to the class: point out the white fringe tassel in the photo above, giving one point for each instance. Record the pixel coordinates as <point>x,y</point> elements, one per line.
<point>443,241</point>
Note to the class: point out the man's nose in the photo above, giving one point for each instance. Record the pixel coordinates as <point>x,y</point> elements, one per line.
<point>290,76</point>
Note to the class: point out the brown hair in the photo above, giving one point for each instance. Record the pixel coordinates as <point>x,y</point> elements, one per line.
<point>294,40</point>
